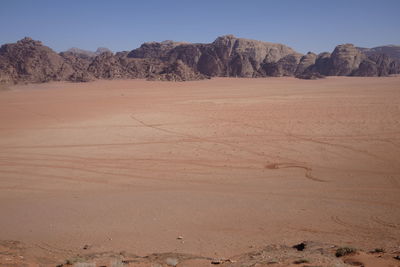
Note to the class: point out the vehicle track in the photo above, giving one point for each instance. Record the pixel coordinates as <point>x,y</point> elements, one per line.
<point>384,223</point>
<point>308,170</point>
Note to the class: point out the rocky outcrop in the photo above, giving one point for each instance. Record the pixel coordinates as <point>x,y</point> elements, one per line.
<point>154,50</point>
<point>378,65</point>
<point>239,57</point>
<point>285,66</point>
<point>228,56</point>
<point>177,71</point>
<point>345,60</point>
<point>348,60</point>
<point>306,61</point>
<point>85,54</point>
<point>107,66</point>
<point>30,61</point>
<point>392,51</point>
<point>79,65</point>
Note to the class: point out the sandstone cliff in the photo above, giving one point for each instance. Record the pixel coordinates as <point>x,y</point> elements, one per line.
<point>228,56</point>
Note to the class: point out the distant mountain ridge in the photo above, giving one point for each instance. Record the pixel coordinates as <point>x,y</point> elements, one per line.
<point>228,56</point>
<point>390,50</point>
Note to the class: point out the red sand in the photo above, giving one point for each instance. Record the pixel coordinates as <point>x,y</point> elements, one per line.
<point>225,163</point>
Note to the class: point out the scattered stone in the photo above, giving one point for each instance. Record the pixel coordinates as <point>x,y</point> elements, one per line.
<point>216,261</point>
<point>397,257</point>
<point>179,237</point>
<point>300,247</point>
<point>172,261</point>
<point>343,251</point>
<point>378,250</point>
<point>86,247</point>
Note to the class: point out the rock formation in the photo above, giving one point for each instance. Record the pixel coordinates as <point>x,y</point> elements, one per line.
<point>392,51</point>
<point>286,66</point>
<point>228,56</point>
<point>30,61</point>
<point>345,59</point>
<point>305,62</point>
<point>85,54</point>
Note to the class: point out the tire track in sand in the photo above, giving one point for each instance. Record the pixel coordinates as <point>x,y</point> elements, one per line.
<point>385,223</point>
<point>308,170</point>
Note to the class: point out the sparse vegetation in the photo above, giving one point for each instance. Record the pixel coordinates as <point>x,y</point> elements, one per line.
<point>343,251</point>
<point>74,260</point>
<point>378,250</point>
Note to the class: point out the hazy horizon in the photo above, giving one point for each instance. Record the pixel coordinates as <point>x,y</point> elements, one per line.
<point>312,26</point>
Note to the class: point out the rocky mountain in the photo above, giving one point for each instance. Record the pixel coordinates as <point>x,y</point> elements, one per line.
<point>30,61</point>
<point>85,54</point>
<point>228,56</point>
<point>392,51</point>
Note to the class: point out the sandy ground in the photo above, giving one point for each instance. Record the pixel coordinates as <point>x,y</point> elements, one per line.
<point>228,165</point>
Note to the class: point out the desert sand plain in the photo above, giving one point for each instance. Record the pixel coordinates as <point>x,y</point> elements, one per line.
<point>215,168</point>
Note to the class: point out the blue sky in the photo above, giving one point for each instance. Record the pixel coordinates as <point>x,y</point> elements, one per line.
<point>305,25</point>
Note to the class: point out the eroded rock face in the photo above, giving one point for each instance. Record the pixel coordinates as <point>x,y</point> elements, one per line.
<point>79,65</point>
<point>286,66</point>
<point>392,51</point>
<point>153,50</point>
<point>106,66</point>
<point>305,62</point>
<point>228,56</point>
<point>345,60</point>
<point>30,61</point>
<point>177,71</point>
<point>378,65</point>
<point>85,54</point>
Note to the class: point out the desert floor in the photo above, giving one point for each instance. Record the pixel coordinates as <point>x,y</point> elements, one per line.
<point>228,165</point>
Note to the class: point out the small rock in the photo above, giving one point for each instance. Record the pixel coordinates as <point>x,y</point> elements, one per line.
<point>172,261</point>
<point>397,257</point>
<point>216,261</point>
<point>300,247</point>
<point>179,237</point>
<point>86,247</point>
<point>378,250</point>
